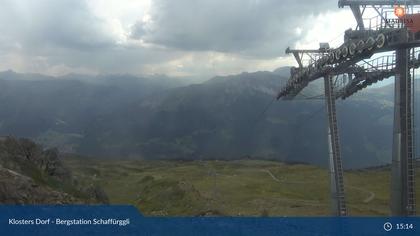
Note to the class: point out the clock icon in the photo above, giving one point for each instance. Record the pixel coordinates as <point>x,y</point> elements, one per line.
<point>387,226</point>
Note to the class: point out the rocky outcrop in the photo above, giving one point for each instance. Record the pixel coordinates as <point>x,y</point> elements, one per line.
<point>31,175</point>
<point>16,188</point>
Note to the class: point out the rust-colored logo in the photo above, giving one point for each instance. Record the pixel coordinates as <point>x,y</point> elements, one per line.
<point>411,21</point>
<point>399,11</point>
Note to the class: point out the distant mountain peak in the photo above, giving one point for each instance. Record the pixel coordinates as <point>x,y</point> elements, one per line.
<point>284,71</point>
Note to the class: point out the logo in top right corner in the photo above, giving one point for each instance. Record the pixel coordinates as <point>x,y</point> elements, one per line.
<point>399,11</point>
<point>411,21</point>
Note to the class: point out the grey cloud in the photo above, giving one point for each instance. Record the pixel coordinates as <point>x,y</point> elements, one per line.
<point>64,23</point>
<point>67,32</point>
<point>46,33</point>
<point>256,28</point>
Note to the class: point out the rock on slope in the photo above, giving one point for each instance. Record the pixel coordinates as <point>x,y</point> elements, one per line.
<point>31,175</point>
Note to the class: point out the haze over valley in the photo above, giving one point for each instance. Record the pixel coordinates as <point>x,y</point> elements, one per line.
<point>123,116</point>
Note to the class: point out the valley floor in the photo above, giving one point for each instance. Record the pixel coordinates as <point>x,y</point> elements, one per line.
<point>233,188</point>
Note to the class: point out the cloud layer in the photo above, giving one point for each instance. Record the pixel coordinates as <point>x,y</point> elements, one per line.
<point>183,37</point>
<point>249,27</point>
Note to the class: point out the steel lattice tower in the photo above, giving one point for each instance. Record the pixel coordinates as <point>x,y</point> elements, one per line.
<point>371,36</point>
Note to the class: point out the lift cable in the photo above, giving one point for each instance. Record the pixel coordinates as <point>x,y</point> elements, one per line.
<point>260,116</point>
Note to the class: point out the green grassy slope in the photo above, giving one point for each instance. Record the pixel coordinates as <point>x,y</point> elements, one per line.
<point>245,188</point>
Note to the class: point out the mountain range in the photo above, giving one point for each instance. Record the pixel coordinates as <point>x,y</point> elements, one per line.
<point>159,117</point>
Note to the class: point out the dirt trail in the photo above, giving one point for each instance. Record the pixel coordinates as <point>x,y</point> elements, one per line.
<point>366,200</point>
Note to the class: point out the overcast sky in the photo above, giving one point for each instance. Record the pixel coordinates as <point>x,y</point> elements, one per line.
<point>175,37</point>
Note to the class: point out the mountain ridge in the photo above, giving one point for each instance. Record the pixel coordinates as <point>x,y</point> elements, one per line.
<point>220,118</point>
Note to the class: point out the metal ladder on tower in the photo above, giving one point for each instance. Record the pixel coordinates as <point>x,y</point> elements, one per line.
<point>337,181</point>
<point>411,165</point>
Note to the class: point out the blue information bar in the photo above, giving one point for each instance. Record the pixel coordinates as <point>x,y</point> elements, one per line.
<point>126,220</point>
